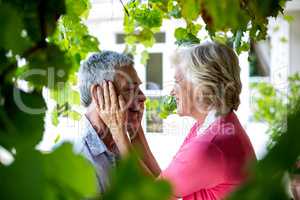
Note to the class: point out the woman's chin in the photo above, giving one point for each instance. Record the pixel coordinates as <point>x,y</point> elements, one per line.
<point>180,113</point>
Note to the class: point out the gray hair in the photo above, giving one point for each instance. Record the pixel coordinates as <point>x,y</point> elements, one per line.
<point>97,68</point>
<point>214,67</point>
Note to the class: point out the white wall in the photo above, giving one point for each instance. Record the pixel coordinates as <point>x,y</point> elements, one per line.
<point>295,42</point>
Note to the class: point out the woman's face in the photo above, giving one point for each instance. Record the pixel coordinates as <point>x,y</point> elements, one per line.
<point>182,91</point>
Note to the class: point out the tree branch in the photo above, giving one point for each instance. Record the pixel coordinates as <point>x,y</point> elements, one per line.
<point>126,11</point>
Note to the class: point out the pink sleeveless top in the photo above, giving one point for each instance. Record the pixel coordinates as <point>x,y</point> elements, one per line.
<point>212,164</point>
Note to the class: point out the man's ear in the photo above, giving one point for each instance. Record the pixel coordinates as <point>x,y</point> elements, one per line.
<point>93,91</point>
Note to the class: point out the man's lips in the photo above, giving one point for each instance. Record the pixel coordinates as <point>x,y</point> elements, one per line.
<point>134,111</point>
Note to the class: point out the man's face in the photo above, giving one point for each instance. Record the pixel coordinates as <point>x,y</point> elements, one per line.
<point>127,83</point>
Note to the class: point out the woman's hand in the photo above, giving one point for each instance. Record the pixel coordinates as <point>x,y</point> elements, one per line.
<point>110,108</point>
<point>112,111</point>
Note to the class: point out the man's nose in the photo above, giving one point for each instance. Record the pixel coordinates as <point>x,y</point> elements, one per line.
<point>141,97</point>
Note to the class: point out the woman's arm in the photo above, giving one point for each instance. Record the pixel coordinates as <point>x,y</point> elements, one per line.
<point>140,142</point>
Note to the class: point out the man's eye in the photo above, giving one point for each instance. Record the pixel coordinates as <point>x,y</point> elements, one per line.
<point>128,90</point>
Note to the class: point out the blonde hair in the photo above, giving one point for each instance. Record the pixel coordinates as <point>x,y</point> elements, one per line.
<point>215,68</point>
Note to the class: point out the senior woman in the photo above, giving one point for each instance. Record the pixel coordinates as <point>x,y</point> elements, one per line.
<point>212,160</point>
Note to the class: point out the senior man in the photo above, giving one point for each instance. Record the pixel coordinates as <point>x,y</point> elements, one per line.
<point>96,142</point>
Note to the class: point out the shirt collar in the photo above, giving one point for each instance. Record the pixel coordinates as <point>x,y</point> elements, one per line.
<point>209,119</point>
<point>212,117</point>
<point>93,141</point>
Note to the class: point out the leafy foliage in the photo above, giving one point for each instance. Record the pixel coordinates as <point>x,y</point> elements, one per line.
<point>267,177</point>
<point>164,106</point>
<point>184,36</point>
<point>148,188</point>
<point>31,35</point>
<point>154,121</point>
<point>59,175</point>
<point>168,107</point>
<point>141,24</point>
<point>50,48</point>
<point>238,17</point>
<point>73,37</point>
<point>271,105</point>
<point>15,120</point>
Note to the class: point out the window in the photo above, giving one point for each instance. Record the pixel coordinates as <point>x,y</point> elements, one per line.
<point>154,71</point>
<point>159,37</point>
<point>153,121</point>
<point>259,58</point>
<point>120,38</point>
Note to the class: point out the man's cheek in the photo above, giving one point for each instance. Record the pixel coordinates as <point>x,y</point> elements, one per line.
<point>132,117</point>
<point>136,118</point>
<point>142,107</point>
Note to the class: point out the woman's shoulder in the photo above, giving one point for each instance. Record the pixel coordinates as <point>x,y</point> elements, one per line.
<point>231,137</point>
<point>224,131</point>
<point>200,145</point>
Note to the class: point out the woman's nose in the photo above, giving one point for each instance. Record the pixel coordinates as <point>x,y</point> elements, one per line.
<point>172,93</point>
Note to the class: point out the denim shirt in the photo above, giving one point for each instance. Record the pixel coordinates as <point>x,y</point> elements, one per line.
<point>93,148</point>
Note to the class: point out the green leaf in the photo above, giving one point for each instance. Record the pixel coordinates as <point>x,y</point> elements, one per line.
<point>47,67</point>
<point>54,117</point>
<point>12,26</point>
<point>190,9</point>
<point>78,7</point>
<point>39,17</point>
<point>288,18</point>
<point>64,93</point>
<point>147,17</point>
<point>237,39</point>
<point>144,57</point>
<point>174,9</point>
<point>58,175</point>
<point>129,182</point>
<point>184,37</point>
<point>221,15</point>
<point>283,39</point>
<point>146,37</point>
<point>74,115</point>
<point>193,28</point>
<point>65,98</point>
<point>72,36</point>
<point>51,10</point>
<point>70,172</point>
<point>22,119</point>
<point>168,106</point>
<point>57,138</point>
